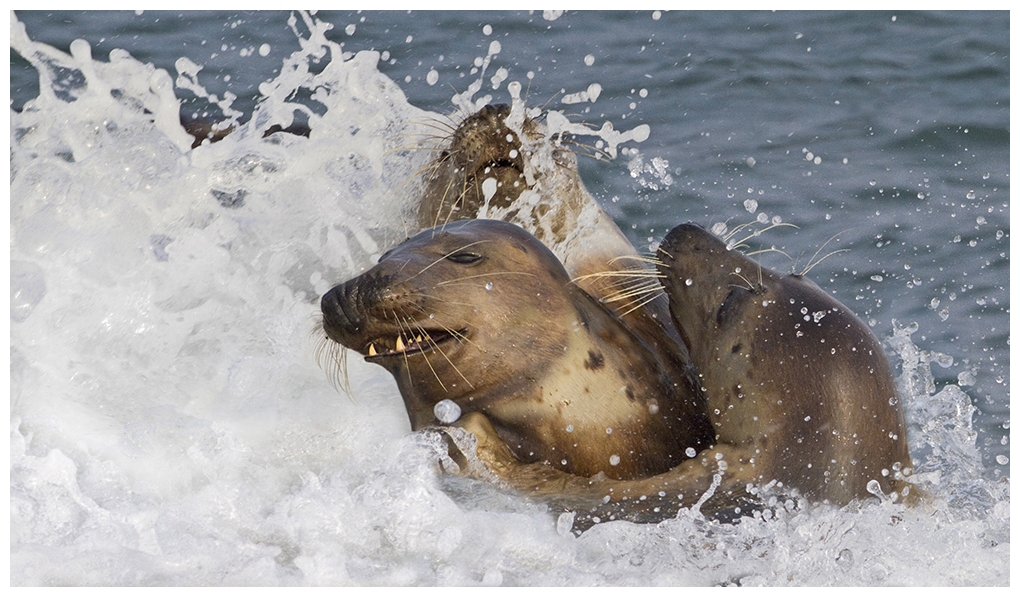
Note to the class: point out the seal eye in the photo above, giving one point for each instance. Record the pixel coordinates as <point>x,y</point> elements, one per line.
<point>464,257</point>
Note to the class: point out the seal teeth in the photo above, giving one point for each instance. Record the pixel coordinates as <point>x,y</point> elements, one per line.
<point>404,343</point>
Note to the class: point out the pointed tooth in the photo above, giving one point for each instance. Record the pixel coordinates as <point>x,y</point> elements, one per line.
<point>371,350</point>
<point>418,338</point>
<point>400,344</point>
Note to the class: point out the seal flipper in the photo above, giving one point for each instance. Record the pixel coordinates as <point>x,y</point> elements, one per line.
<point>708,483</point>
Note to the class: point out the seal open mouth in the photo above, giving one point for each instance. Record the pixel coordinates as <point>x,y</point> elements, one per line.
<point>405,344</point>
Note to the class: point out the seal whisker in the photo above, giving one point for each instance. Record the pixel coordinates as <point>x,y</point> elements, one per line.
<point>456,204</point>
<point>617,286</point>
<point>458,115</point>
<point>649,259</point>
<point>443,200</point>
<point>445,136</point>
<point>463,198</point>
<point>432,166</point>
<point>811,265</point>
<point>332,358</point>
<point>626,273</point>
<point>424,335</point>
<point>632,294</point>
<point>768,250</point>
<point>448,126</point>
<point>750,285</point>
<point>644,302</point>
<point>827,255</point>
<point>635,290</point>
<point>728,235</point>
<point>428,339</point>
<point>455,333</point>
<point>435,164</point>
<point>757,233</point>
<point>410,380</point>
<point>548,101</point>
<point>441,134</point>
<point>595,153</point>
<point>415,147</point>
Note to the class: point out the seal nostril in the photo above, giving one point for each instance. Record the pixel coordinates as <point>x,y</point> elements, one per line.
<point>337,309</point>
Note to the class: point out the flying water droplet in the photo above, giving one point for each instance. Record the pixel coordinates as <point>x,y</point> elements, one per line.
<point>446,411</point>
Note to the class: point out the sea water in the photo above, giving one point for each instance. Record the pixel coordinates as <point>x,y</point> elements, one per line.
<point>170,424</point>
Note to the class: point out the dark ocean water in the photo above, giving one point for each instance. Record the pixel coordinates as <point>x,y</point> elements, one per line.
<point>890,130</point>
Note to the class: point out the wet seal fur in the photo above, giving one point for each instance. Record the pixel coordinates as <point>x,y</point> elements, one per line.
<point>481,313</point>
<point>800,395</point>
<point>799,389</point>
<point>526,431</point>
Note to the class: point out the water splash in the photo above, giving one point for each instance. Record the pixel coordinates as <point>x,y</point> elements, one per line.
<point>169,425</point>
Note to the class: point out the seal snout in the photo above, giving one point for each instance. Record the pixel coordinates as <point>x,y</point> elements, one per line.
<point>485,140</point>
<point>684,239</point>
<point>351,317</point>
<point>347,307</point>
<point>342,311</point>
<point>677,246</point>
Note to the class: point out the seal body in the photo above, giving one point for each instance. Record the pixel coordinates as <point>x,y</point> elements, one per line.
<point>481,313</point>
<point>799,393</point>
<point>797,386</point>
<point>567,359</point>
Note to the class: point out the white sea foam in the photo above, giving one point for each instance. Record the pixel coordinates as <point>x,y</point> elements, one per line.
<point>169,424</point>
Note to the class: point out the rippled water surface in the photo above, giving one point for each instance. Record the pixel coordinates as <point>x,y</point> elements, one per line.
<point>165,398</point>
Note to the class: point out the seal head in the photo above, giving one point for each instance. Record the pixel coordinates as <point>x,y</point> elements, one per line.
<point>481,313</point>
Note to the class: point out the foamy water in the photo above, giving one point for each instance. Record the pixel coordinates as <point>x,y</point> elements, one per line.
<point>170,424</point>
